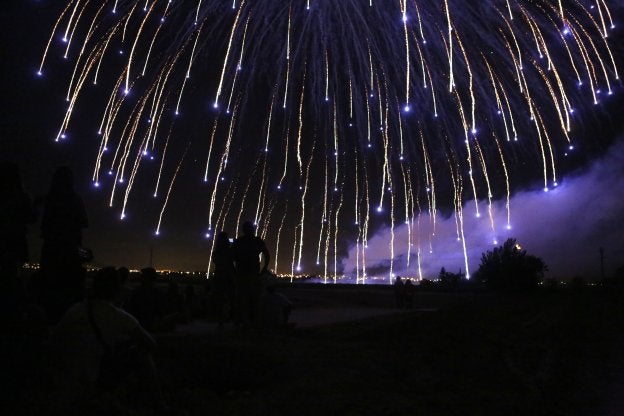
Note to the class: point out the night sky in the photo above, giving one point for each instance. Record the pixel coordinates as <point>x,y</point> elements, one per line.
<point>32,112</point>
<point>565,226</point>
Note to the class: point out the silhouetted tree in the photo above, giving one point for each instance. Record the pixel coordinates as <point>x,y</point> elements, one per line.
<point>442,274</point>
<point>509,267</point>
<point>449,280</point>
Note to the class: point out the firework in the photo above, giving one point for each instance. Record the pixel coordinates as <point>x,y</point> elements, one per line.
<point>337,116</point>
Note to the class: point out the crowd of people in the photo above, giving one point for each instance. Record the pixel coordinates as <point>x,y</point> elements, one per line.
<point>95,338</point>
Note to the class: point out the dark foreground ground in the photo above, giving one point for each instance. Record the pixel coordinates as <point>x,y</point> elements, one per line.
<point>555,353</point>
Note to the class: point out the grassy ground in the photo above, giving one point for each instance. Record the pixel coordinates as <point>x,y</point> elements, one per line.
<point>541,354</point>
<point>550,354</point>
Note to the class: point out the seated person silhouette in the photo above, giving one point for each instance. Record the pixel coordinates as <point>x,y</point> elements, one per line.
<point>275,309</point>
<point>99,346</point>
<point>147,303</point>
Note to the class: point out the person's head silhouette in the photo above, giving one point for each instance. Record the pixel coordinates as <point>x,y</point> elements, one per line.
<point>62,181</point>
<point>148,275</point>
<point>106,283</point>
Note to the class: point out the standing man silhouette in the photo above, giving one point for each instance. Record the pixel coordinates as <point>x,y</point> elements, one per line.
<point>16,213</point>
<point>246,251</point>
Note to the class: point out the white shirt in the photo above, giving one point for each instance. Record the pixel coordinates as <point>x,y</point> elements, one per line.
<point>74,336</point>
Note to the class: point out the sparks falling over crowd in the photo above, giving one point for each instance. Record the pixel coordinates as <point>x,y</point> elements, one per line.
<point>319,119</point>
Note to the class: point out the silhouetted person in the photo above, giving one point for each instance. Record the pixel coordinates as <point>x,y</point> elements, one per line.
<point>16,212</point>
<point>175,300</point>
<point>124,291</point>
<point>100,345</point>
<point>409,290</point>
<point>147,303</point>
<point>222,284</point>
<point>192,302</point>
<point>63,219</point>
<point>399,292</point>
<point>175,309</point>
<point>275,309</point>
<point>246,252</point>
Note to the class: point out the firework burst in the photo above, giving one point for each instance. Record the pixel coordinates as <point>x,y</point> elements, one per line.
<point>315,117</point>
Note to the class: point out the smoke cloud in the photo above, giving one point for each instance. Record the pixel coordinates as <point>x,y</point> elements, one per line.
<point>565,226</point>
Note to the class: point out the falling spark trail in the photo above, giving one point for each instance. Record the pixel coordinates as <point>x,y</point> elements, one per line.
<point>457,103</point>
<point>175,174</point>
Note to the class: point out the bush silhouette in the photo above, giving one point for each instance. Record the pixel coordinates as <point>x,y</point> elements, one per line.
<point>509,267</point>
<point>449,280</point>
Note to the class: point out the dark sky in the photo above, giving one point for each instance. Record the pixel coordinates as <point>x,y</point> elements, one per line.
<point>31,113</point>
<point>587,210</point>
